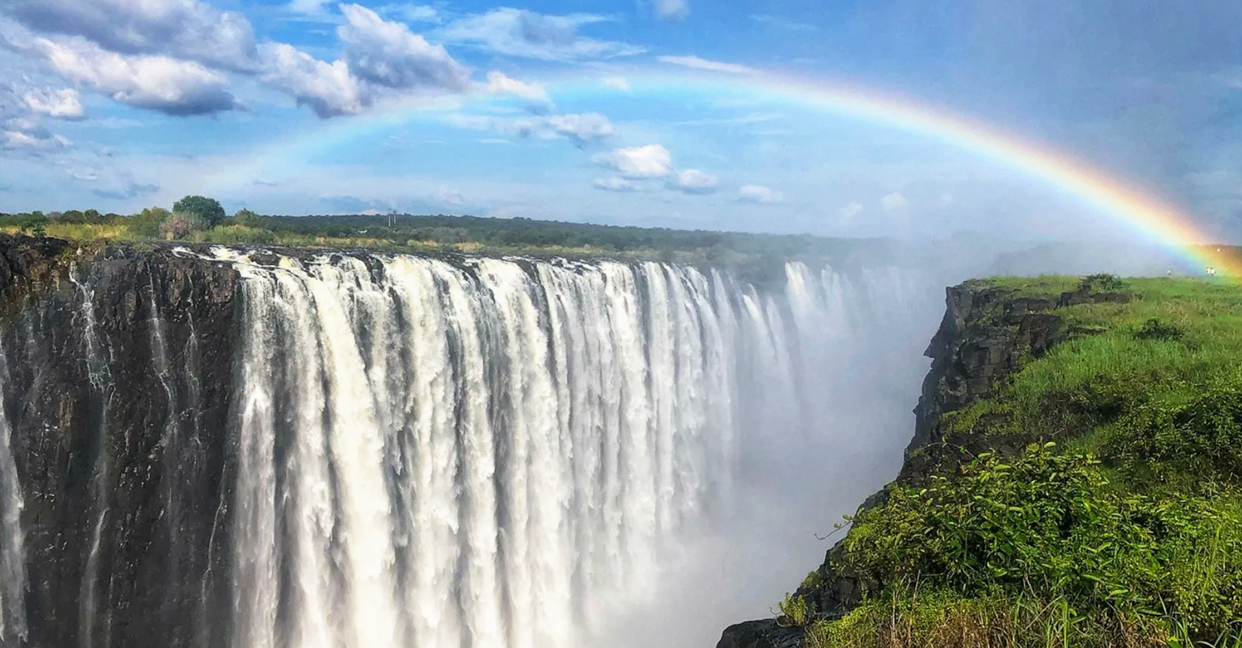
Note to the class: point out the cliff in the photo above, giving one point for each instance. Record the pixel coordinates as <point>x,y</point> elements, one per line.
<point>988,333</point>
<point>152,335</point>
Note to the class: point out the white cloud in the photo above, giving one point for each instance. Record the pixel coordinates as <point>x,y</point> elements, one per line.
<point>388,54</point>
<point>328,88</point>
<point>759,194</point>
<point>158,83</point>
<point>620,185</point>
<point>381,58</point>
<point>617,83</point>
<point>848,212</point>
<point>582,129</point>
<point>672,9</point>
<point>521,33</point>
<point>501,84</point>
<point>894,202</point>
<point>183,29</point>
<point>693,181</point>
<point>61,104</point>
<point>704,64</point>
<point>651,161</point>
<point>31,141</point>
<point>946,199</point>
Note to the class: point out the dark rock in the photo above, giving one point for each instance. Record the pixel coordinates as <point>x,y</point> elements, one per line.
<point>765,633</point>
<point>126,529</point>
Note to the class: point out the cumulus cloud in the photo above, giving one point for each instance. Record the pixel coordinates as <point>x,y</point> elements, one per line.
<point>693,181</point>
<point>128,192</point>
<point>159,83</point>
<point>759,194</point>
<point>185,29</point>
<point>63,103</point>
<point>620,185</point>
<point>381,58</point>
<point>388,54</point>
<point>617,83</point>
<point>638,162</point>
<point>704,64</point>
<point>498,83</point>
<point>526,34</point>
<point>327,88</point>
<point>894,202</point>
<point>672,9</point>
<point>848,212</point>
<point>582,129</point>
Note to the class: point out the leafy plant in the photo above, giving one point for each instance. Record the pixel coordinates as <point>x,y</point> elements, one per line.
<point>1154,329</point>
<point>796,611</point>
<point>1102,281</point>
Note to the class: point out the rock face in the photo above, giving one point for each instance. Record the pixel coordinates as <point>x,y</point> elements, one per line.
<point>984,335</point>
<point>151,335</point>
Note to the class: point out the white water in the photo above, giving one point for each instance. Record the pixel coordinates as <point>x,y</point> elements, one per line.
<point>512,455</point>
<point>12,566</point>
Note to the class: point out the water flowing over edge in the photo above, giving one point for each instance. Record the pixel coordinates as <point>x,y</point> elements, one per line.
<point>488,452</point>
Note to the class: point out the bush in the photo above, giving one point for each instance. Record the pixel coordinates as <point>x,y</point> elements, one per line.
<point>1050,527</point>
<point>795,611</point>
<point>1154,329</point>
<point>1102,281</point>
<point>146,224</point>
<point>1199,440</point>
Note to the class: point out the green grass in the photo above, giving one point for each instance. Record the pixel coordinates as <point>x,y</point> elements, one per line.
<point>1096,374</point>
<point>1125,532</point>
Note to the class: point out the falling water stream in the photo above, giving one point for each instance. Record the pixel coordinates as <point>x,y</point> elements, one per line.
<point>491,453</point>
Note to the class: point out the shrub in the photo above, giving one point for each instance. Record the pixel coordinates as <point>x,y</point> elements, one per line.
<point>1199,438</point>
<point>1154,329</point>
<point>1102,281</point>
<point>1050,527</point>
<point>795,611</point>
<point>146,224</point>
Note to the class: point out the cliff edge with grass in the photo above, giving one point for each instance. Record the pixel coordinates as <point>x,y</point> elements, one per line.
<point>1075,478</point>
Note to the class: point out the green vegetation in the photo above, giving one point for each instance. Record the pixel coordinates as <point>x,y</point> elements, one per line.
<point>198,219</point>
<point>207,209</point>
<point>1109,511</point>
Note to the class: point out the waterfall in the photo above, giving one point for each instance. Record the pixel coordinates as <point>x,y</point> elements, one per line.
<point>497,453</point>
<point>12,567</point>
<point>240,449</point>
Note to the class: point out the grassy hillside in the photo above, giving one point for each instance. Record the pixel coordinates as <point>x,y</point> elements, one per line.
<point>1105,508</point>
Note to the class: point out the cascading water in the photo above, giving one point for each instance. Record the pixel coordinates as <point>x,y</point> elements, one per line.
<point>498,454</point>
<point>363,451</point>
<point>12,569</point>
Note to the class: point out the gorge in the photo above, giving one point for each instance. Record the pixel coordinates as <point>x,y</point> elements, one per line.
<point>238,448</point>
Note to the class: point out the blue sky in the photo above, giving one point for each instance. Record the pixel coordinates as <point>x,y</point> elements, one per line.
<point>650,112</point>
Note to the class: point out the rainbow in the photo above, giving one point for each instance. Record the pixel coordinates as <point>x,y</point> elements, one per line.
<point>1146,214</point>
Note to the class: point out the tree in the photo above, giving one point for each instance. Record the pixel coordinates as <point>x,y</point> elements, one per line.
<point>147,224</point>
<point>247,218</point>
<point>208,209</point>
